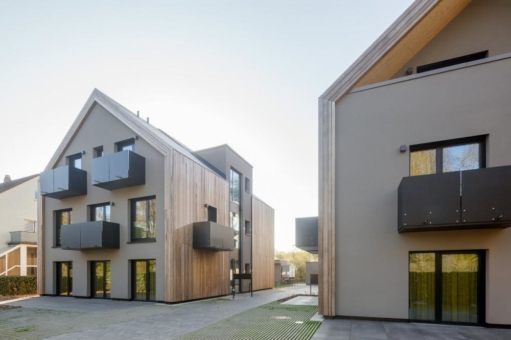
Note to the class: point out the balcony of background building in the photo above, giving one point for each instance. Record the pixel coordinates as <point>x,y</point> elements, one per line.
<point>118,170</point>
<point>472,199</point>
<point>90,235</point>
<point>63,182</point>
<point>23,237</point>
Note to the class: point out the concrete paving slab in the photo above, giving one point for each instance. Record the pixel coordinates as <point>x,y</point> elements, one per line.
<point>302,301</point>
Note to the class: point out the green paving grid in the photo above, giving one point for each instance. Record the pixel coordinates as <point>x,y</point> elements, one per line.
<point>272,321</point>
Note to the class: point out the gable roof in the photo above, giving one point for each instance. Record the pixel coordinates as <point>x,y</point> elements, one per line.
<point>14,183</point>
<point>413,30</point>
<point>154,136</point>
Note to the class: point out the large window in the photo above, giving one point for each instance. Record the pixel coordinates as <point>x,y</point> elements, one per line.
<point>448,156</point>
<point>100,212</point>
<point>62,217</point>
<point>235,224</point>
<point>144,280</point>
<point>143,219</point>
<point>447,286</point>
<point>234,187</point>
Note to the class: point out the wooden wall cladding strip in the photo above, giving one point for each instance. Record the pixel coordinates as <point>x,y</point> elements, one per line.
<point>196,273</point>
<point>263,243</point>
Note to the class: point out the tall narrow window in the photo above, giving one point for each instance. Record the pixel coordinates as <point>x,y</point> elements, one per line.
<point>143,219</point>
<point>100,212</point>
<point>62,217</point>
<point>247,185</point>
<point>64,278</point>
<point>235,224</point>
<point>100,279</point>
<point>75,160</point>
<point>144,280</point>
<point>128,144</point>
<point>452,155</point>
<point>248,228</point>
<point>235,186</point>
<point>211,214</point>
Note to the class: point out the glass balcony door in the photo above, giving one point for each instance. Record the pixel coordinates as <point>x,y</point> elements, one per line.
<point>100,279</point>
<point>144,280</point>
<point>64,278</point>
<point>447,287</point>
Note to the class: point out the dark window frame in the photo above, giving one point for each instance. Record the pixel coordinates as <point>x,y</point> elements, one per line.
<point>481,279</point>
<point>127,142</point>
<point>147,281</point>
<point>97,150</point>
<point>439,146</point>
<point>212,214</point>
<point>452,62</point>
<point>57,240</point>
<point>133,210</point>
<point>248,228</point>
<point>93,277</point>
<point>58,272</point>
<point>71,159</point>
<point>231,196</point>
<point>248,185</point>
<point>92,207</point>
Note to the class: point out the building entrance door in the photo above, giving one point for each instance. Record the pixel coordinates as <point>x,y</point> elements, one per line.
<point>447,287</point>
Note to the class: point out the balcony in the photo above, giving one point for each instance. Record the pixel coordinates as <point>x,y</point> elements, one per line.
<point>212,236</point>
<point>472,199</point>
<point>90,235</point>
<point>118,170</point>
<point>63,182</point>
<point>23,237</point>
<point>306,233</point>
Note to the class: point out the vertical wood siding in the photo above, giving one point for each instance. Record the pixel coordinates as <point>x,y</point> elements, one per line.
<point>263,222</point>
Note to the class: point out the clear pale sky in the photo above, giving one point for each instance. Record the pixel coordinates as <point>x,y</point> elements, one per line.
<point>245,73</point>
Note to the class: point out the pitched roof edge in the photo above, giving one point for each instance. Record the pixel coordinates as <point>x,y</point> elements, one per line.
<point>6,186</point>
<point>413,14</point>
<point>228,147</point>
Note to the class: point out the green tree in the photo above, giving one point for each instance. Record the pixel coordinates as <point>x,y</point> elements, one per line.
<point>298,258</point>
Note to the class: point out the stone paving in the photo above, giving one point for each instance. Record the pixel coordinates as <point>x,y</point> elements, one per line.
<point>71,318</point>
<point>339,329</point>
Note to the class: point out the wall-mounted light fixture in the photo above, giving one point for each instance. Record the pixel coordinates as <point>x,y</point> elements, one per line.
<point>409,71</point>
<point>136,137</point>
<point>112,204</point>
<point>403,148</point>
<point>83,152</point>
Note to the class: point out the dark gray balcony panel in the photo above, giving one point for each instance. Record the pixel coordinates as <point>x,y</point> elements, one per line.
<point>64,182</point>
<point>118,170</point>
<point>212,236</point>
<point>306,233</point>
<point>70,234</point>
<point>487,195</point>
<point>90,235</point>
<point>429,201</point>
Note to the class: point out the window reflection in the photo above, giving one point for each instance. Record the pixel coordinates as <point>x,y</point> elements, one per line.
<point>234,191</point>
<point>423,162</point>
<point>144,218</point>
<point>461,157</point>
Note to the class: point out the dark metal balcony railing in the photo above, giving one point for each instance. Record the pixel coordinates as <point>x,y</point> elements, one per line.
<point>472,199</point>
<point>90,235</point>
<point>118,170</point>
<point>63,182</point>
<point>212,236</point>
<point>306,232</point>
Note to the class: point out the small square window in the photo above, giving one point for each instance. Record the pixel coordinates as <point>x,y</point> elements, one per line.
<point>100,212</point>
<point>98,152</point>
<point>211,214</point>
<point>128,144</point>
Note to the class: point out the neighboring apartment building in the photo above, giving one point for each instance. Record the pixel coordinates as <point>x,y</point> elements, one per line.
<point>283,272</point>
<point>415,168</point>
<point>128,212</point>
<point>18,223</point>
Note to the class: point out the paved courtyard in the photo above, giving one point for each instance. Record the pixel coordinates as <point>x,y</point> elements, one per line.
<point>258,317</point>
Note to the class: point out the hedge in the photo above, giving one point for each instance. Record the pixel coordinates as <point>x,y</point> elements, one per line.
<point>18,285</point>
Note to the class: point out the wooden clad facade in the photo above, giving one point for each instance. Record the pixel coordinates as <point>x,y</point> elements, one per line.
<point>263,220</point>
<point>196,273</point>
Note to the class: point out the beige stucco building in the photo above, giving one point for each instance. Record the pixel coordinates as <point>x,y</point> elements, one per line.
<point>128,212</point>
<point>415,197</point>
<point>18,226</point>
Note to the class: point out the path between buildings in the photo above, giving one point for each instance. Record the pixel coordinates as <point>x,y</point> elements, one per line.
<point>77,319</point>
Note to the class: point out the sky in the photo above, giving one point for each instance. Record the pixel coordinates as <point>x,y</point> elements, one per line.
<point>243,73</point>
